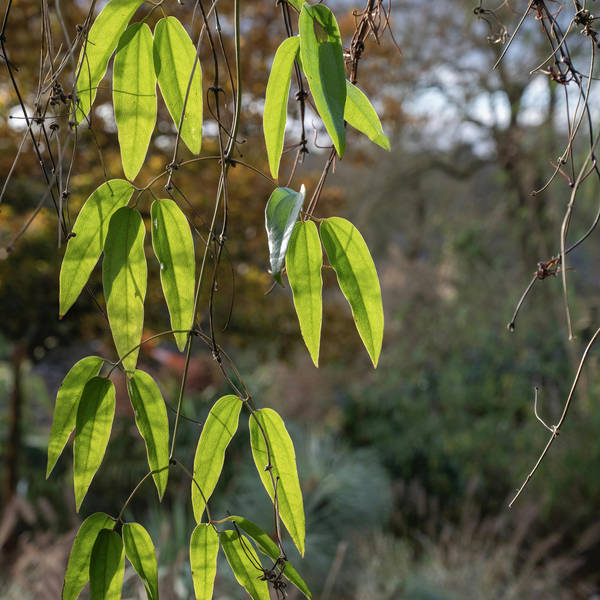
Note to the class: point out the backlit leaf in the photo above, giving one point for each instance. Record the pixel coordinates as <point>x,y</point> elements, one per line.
<point>152,422</point>
<point>281,214</point>
<point>283,469</point>
<point>89,233</point>
<point>303,265</point>
<point>124,277</point>
<point>204,547</point>
<point>245,564</point>
<point>92,430</point>
<point>102,39</point>
<point>350,257</point>
<point>323,65</point>
<point>67,401</point>
<point>134,96</point>
<point>220,426</point>
<point>359,113</point>
<point>107,566</point>
<point>174,58</point>
<point>139,550</point>
<point>174,248</point>
<point>269,548</point>
<point>276,100</point>
<point>78,568</point>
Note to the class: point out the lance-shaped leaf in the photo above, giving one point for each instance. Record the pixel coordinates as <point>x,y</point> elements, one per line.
<point>350,257</point>
<point>134,96</point>
<point>174,60</point>
<point>107,566</point>
<point>220,426</point>
<point>323,65</point>
<point>124,277</point>
<point>92,430</point>
<point>78,568</point>
<point>89,233</point>
<point>277,462</point>
<point>204,547</point>
<point>359,113</point>
<point>245,564</point>
<point>281,213</point>
<point>139,549</point>
<point>67,401</point>
<point>303,265</point>
<point>276,100</point>
<point>152,422</point>
<point>174,248</point>
<point>269,548</point>
<point>102,39</point>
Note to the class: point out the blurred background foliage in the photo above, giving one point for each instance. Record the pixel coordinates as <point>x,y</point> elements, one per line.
<point>406,471</point>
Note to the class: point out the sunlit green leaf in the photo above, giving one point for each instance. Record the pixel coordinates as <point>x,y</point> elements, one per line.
<point>174,248</point>
<point>350,257</point>
<point>283,469</point>
<point>269,548</point>
<point>174,58</point>
<point>359,113</point>
<point>281,213</point>
<point>245,564</point>
<point>92,430</point>
<point>204,547</point>
<point>297,4</point>
<point>303,265</point>
<point>67,401</point>
<point>134,96</point>
<point>323,65</point>
<point>139,549</point>
<point>78,568</point>
<point>107,566</point>
<point>124,277</point>
<point>276,100</point>
<point>220,426</point>
<point>102,39</point>
<point>152,422</point>
<point>89,232</point>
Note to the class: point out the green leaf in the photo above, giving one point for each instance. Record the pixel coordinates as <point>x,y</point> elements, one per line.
<point>174,58</point>
<point>107,566</point>
<point>281,213</point>
<point>220,426</point>
<point>67,401</point>
<point>78,568</point>
<point>244,563</point>
<point>134,96</point>
<point>153,424</point>
<point>204,547</point>
<point>89,234</point>
<point>276,100</point>
<point>102,40</point>
<point>323,65</point>
<point>359,113</point>
<point>139,549</point>
<point>297,4</point>
<point>269,548</point>
<point>303,264</point>
<point>349,256</point>
<point>283,469</point>
<point>174,248</point>
<point>92,430</point>
<point>124,277</point>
